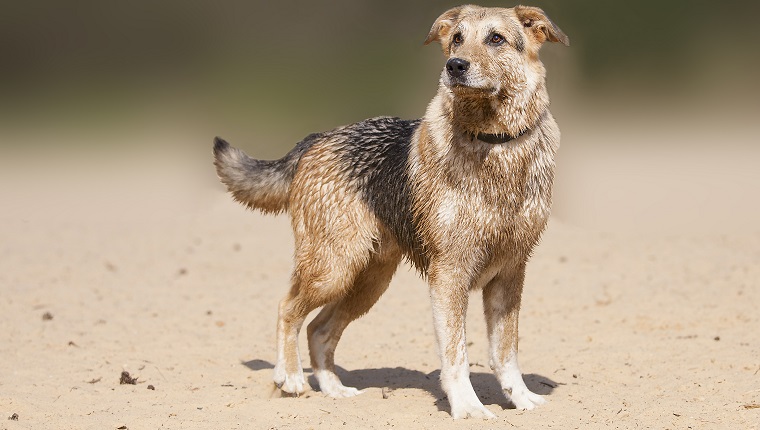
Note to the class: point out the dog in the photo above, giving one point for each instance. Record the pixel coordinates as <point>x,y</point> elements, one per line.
<point>463,194</point>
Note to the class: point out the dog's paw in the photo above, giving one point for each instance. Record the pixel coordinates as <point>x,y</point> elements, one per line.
<point>462,398</point>
<point>460,411</point>
<point>341,391</point>
<point>514,387</point>
<point>330,384</point>
<point>525,399</point>
<point>290,383</point>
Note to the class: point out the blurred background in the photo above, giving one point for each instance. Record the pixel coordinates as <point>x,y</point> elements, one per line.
<point>657,101</point>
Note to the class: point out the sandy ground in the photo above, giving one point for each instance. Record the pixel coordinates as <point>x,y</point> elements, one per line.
<point>142,263</point>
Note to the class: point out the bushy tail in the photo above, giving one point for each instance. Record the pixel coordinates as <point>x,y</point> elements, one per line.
<point>258,184</point>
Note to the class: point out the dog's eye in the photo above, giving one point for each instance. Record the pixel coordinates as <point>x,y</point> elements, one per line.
<point>496,39</point>
<point>457,39</point>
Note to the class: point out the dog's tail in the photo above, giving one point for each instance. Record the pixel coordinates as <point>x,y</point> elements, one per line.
<point>258,184</point>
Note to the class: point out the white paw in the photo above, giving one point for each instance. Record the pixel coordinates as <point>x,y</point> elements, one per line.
<point>289,383</point>
<point>341,391</point>
<point>471,410</point>
<point>514,387</point>
<point>330,384</point>
<point>525,399</point>
<point>463,400</point>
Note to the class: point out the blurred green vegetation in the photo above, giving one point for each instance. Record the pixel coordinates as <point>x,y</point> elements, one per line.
<point>289,68</point>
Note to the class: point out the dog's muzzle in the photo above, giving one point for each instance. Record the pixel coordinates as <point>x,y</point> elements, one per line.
<point>457,67</point>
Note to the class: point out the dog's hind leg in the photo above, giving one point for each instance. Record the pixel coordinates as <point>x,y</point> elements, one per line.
<point>288,373</point>
<point>325,272</point>
<point>325,330</point>
<point>315,283</point>
<point>501,304</point>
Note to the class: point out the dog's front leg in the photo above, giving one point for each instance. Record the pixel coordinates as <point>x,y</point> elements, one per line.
<point>501,304</point>
<point>449,298</point>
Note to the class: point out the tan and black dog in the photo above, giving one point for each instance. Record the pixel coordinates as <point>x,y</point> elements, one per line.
<point>463,193</point>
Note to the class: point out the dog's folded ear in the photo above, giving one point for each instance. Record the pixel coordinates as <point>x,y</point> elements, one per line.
<point>538,24</point>
<point>442,26</point>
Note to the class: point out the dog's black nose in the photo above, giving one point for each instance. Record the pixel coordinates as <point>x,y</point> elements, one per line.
<point>456,67</point>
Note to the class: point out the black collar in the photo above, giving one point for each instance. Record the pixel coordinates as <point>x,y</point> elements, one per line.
<point>496,139</point>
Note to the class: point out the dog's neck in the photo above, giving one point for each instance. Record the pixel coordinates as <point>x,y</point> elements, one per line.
<point>505,114</point>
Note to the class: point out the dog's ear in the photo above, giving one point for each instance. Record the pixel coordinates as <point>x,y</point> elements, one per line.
<point>442,25</point>
<point>538,24</point>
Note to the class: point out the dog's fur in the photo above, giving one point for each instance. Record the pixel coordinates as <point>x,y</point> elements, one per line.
<point>466,213</point>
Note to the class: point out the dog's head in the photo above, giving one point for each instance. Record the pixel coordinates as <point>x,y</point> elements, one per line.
<point>493,51</point>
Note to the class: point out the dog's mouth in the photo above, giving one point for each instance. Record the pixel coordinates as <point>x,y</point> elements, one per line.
<point>461,87</point>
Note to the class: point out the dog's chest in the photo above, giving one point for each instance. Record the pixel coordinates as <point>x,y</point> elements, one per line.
<point>504,196</point>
